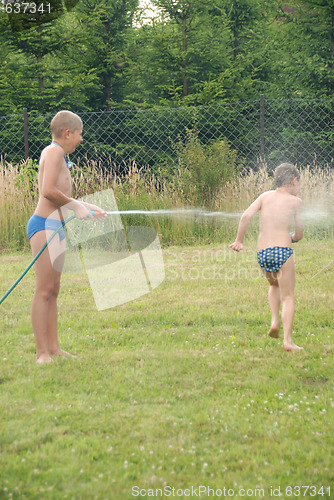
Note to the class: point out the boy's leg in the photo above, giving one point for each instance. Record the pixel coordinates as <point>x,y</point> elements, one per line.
<point>52,318</point>
<point>44,304</point>
<point>274,299</point>
<point>52,321</point>
<point>44,277</point>
<point>57,253</point>
<point>286,280</point>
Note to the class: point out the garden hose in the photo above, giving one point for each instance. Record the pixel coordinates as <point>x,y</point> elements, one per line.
<point>35,258</point>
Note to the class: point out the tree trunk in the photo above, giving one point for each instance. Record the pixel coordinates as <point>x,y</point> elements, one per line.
<point>184,62</point>
<point>39,61</point>
<point>40,76</point>
<point>332,45</point>
<point>108,91</point>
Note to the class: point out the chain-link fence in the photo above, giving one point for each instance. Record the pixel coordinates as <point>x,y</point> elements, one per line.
<point>272,130</point>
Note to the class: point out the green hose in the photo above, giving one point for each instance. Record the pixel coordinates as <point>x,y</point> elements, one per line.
<point>35,258</point>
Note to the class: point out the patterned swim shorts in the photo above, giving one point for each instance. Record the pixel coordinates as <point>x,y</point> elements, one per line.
<point>272,259</point>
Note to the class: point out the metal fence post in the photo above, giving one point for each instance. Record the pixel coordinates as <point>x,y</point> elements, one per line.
<point>262,157</point>
<point>26,133</point>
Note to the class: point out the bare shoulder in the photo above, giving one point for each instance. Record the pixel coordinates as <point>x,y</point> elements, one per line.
<point>258,203</point>
<point>267,193</point>
<point>51,155</point>
<point>298,203</point>
<point>264,196</point>
<point>52,151</point>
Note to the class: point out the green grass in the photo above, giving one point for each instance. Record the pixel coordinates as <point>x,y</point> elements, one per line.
<point>181,387</point>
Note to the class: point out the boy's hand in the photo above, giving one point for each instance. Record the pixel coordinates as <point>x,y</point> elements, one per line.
<point>292,236</point>
<point>81,212</point>
<point>99,213</point>
<point>237,246</point>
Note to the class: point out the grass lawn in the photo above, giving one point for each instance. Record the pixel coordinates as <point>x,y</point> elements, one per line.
<point>181,388</point>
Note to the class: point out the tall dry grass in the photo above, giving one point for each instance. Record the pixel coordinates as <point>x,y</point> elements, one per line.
<point>138,190</point>
<point>17,201</point>
<point>317,189</point>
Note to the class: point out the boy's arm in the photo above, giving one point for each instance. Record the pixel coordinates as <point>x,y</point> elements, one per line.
<point>49,187</point>
<point>298,232</point>
<point>244,223</point>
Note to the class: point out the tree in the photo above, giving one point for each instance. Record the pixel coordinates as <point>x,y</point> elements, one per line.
<point>196,52</point>
<point>36,73</point>
<point>183,13</point>
<point>242,16</point>
<point>105,25</point>
<point>183,46</point>
<point>301,56</point>
<point>73,61</point>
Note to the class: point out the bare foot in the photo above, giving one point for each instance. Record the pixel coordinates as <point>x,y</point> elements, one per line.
<point>290,346</point>
<point>43,358</point>
<point>60,352</point>
<point>274,331</point>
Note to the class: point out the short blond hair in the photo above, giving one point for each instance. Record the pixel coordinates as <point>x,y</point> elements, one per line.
<point>64,120</point>
<point>285,173</point>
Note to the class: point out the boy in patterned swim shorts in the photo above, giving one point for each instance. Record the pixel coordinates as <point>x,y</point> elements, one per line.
<point>278,210</point>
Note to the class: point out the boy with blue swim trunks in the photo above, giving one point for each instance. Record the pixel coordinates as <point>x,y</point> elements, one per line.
<point>278,210</point>
<point>55,191</point>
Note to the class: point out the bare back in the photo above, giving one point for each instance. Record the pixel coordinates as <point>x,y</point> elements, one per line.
<point>53,178</point>
<point>278,211</point>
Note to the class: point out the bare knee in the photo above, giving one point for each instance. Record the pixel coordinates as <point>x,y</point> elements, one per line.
<point>48,292</point>
<point>287,295</point>
<point>55,289</point>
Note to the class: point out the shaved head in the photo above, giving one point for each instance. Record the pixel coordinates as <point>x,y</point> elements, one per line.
<point>64,120</point>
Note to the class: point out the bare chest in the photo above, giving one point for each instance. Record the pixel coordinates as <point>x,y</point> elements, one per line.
<point>64,181</point>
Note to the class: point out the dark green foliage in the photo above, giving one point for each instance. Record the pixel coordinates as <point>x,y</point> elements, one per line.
<point>96,57</point>
<point>28,172</point>
<point>299,131</point>
<point>299,57</point>
<point>189,65</point>
<point>204,169</point>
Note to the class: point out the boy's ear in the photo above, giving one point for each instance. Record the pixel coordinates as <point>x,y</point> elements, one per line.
<point>67,133</point>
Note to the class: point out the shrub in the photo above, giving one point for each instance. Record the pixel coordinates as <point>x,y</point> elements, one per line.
<point>205,169</point>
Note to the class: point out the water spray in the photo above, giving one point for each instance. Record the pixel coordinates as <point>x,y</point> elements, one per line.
<point>178,211</point>
<point>169,212</point>
<point>321,270</point>
<point>191,212</point>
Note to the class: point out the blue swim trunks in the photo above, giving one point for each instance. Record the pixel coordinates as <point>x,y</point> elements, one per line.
<point>272,259</point>
<point>37,223</point>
